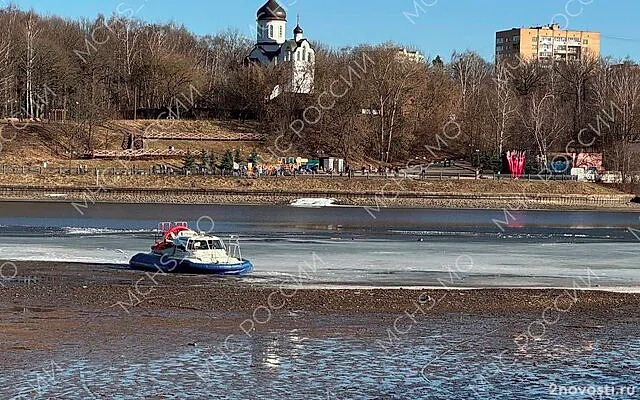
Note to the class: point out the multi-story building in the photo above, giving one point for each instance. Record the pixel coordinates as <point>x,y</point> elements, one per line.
<point>546,43</point>
<point>410,55</point>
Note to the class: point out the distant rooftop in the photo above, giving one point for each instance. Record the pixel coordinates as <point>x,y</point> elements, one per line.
<point>552,27</point>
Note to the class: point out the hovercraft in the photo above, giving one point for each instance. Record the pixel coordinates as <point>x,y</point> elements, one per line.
<point>182,250</point>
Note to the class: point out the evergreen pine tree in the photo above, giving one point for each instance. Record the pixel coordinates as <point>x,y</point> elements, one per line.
<point>189,162</point>
<point>254,158</point>
<point>205,161</point>
<point>213,161</point>
<point>227,161</point>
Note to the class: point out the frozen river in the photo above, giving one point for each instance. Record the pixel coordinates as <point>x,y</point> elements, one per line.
<point>336,246</point>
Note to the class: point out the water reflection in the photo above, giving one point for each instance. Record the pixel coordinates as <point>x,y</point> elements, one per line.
<point>265,353</point>
<point>443,358</point>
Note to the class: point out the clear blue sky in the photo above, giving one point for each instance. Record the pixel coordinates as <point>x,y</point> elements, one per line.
<point>439,28</point>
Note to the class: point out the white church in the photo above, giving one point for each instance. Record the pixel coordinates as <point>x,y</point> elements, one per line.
<point>272,48</point>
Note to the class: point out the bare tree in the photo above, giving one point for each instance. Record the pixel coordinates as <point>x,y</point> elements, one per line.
<point>8,21</point>
<point>128,64</point>
<point>577,78</point>
<point>617,96</point>
<point>128,36</point>
<point>470,71</point>
<point>391,80</point>
<point>501,104</point>
<point>542,123</point>
<point>32,31</point>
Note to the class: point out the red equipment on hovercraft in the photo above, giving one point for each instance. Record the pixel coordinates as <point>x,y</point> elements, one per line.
<point>169,230</point>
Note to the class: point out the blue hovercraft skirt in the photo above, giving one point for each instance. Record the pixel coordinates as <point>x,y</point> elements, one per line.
<point>156,262</point>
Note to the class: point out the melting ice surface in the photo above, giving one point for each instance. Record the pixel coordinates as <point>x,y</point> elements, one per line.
<point>347,246</point>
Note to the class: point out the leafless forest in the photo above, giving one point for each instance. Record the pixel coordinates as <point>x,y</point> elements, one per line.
<point>368,102</point>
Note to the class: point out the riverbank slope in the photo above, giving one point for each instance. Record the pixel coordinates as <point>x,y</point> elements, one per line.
<point>378,192</point>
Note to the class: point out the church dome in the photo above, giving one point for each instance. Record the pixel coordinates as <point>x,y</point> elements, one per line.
<point>272,11</point>
<point>298,29</point>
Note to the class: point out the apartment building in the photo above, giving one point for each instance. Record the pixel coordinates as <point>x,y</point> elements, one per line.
<point>546,43</point>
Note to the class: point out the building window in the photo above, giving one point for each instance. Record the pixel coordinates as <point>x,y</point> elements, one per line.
<point>516,39</point>
<point>499,48</point>
<point>586,41</point>
<point>281,32</point>
<point>271,31</point>
<point>499,40</point>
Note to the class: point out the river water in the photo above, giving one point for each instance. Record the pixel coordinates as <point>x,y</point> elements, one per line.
<point>341,356</point>
<point>466,357</point>
<point>350,246</point>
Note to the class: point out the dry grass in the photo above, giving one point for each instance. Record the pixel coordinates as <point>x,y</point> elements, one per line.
<point>285,184</point>
<point>204,126</point>
<point>42,142</point>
